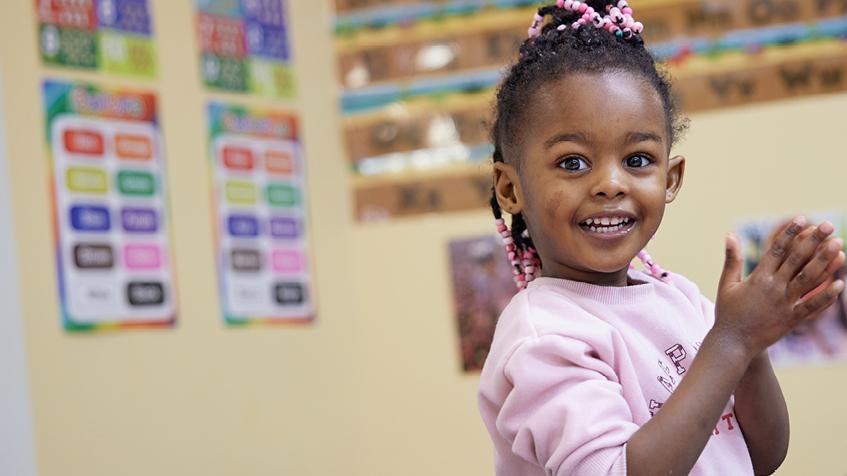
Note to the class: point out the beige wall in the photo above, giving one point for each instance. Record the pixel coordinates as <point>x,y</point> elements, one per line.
<point>374,386</point>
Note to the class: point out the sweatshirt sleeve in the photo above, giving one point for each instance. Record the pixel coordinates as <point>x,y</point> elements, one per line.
<point>565,410</point>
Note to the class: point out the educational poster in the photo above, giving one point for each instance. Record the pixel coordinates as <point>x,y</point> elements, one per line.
<point>110,207</point>
<point>482,287</point>
<point>245,46</point>
<point>821,339</point>
<point>261,214</point>
<point>111,36</point>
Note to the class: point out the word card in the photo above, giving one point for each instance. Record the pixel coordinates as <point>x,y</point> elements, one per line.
<point>110,208</point>
<point>260,204</point>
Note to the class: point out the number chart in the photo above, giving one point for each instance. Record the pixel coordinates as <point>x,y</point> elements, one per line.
<point>110,208</point>
<point>113,36</point>
<point>245,46</point>
<point>260,204</point>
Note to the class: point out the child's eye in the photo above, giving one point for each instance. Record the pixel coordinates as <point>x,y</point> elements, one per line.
<point>574,164</point>
<point>638,160</point>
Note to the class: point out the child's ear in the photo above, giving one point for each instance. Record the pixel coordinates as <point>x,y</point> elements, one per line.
<point>676,170</point>
<point>507,188</point>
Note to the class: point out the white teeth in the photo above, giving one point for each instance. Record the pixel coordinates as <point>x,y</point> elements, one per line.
<point>606,224</point>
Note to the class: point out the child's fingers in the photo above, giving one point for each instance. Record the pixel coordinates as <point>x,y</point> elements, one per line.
<point>827,255</point>
<point>802,249</point>
<point>775,255</point>
<point>817,302</point>
<point>836,263</point>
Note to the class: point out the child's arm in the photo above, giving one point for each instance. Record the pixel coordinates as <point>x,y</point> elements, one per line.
<point>759,405</point>
<point>750,315</point>
<point>761,412</point>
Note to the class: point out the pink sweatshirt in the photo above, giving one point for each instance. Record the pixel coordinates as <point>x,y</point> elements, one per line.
<point>575,369</point>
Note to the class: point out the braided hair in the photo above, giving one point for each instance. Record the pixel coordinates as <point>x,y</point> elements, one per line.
<point>593,36</point>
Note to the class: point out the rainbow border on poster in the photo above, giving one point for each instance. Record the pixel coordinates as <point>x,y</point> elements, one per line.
<point>63,98</point>
<point>228,119</point>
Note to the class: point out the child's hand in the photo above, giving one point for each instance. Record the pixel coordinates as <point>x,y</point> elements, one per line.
<point>792,282</point>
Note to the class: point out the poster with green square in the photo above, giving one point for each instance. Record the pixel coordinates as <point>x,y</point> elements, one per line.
<point>111,36</point>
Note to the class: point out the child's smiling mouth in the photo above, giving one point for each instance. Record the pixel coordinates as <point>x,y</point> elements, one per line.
<point>608,225</point>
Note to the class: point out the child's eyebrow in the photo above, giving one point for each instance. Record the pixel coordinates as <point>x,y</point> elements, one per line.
<point>635,137</point>
<point>566,137</point>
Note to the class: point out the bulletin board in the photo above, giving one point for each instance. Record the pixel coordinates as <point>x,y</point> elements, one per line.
<point>417,81</point>
<point>110,207</point>
<point>110,36</point>
<point>260,205</point>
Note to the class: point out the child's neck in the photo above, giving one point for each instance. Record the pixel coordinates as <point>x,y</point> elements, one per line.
<point>617,278</point>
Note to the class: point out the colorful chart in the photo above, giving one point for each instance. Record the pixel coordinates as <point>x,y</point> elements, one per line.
<point>113,36</point>
<point>110,208</point>
<point>245,46</point>
<point>260,204</point>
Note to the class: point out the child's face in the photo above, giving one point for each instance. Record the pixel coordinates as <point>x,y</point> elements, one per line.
<point>595,146</point>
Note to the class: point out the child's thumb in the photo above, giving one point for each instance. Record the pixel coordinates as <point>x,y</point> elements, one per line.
<point>733,264</point>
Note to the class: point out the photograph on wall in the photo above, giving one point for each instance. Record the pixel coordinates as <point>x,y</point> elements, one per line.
<point>110,36</point>
<point>482,287</point>
<point>823,338</point>
<point>245,47</point>
<point>110,207</point>
<point>261,234</point>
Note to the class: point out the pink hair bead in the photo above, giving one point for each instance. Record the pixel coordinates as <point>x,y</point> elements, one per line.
<point>616,15</point>
<point>597,20</point>
<point>626,10</point>
<point>508,240</point>
<point>582,8</point>
<point>560,3</point>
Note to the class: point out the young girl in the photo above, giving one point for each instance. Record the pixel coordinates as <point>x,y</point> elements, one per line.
<point>596,368</point>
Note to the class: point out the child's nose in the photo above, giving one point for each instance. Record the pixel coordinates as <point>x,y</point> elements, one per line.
<point>610,182</point>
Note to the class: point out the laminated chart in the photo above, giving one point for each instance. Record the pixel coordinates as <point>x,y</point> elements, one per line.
<point>113,36</point>
<point>260,207</point>
<point>110,208</point>
<point>245,46</point>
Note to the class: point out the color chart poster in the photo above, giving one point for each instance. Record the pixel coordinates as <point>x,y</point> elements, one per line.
<point>112,36</point>
<point>245,46</point>
<point>260,206</point>
<point>110,208</point>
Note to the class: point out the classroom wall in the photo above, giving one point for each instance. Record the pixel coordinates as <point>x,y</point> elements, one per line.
<point>374,386</point>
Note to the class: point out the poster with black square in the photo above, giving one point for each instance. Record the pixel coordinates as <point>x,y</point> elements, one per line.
<point>260,204</point>
<point>110,208</point>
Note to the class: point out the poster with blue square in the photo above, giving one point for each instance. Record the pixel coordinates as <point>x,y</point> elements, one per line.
<point>112,36</point>
<point>245,47</point>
